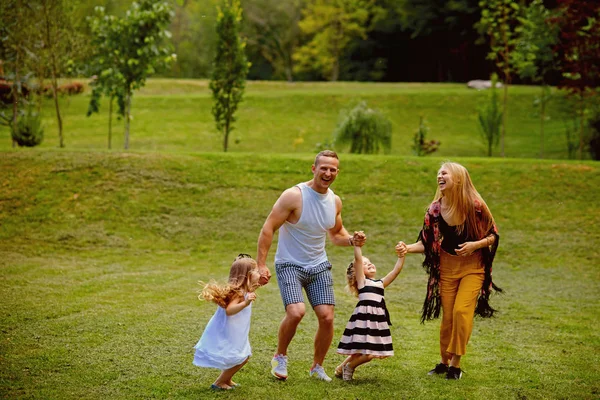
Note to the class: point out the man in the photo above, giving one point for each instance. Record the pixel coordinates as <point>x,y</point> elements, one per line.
<point>306,213</point>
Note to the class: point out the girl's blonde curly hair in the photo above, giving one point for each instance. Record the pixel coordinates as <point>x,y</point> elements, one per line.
<point>351,284</point>
<point>238,284</point>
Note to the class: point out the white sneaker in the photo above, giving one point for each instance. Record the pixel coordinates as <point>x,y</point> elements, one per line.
<point>279,367</point>
<point>319,373</point>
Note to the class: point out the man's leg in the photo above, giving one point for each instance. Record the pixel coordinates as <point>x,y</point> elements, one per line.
<point>290,287</point>
<point>287,329</point>
<point>324,334</point>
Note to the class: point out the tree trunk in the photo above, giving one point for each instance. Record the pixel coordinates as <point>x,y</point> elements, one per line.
<point>581,124</point>
<point>226,136</point>
<point>56,106</point>
<point>53,69</point>
<point>288,70</point>
<point>127,116</point>
<point>110,104</point>
<point>542,118</point>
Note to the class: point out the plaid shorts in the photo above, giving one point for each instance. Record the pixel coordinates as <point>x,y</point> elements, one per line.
<point>316,281</point>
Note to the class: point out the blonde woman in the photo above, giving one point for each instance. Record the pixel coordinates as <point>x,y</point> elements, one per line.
<point>459,239</point>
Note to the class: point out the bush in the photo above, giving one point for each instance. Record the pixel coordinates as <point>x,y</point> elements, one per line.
<point>490,118</point>
<point>365,129</point>
<point>29,131</point>
<point>421,146</point>
<point>594,143</point>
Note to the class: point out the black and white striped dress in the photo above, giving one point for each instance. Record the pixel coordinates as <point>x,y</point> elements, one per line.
<point>368,331</point>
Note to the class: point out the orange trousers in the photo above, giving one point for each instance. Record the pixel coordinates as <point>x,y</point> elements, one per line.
<point>460,284</point>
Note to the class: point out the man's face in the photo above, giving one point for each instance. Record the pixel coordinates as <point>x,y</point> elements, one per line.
<point>325,171</point>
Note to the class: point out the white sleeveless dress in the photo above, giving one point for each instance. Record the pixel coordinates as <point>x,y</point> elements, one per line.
<point>224,343</point>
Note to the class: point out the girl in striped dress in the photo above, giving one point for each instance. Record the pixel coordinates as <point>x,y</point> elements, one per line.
<point>367,334</point>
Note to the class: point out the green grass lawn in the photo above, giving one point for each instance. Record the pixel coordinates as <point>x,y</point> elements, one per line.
<point>279,117</point>
<point>101,254</point>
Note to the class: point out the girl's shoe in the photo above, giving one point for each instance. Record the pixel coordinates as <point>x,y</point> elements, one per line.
<point>347,372</point>
<point>339,371</point>
<point>217,387</point>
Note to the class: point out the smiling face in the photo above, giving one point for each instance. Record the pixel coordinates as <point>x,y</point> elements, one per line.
<point>369,268</point>
<point>445,179</point>
<point>324,173</point>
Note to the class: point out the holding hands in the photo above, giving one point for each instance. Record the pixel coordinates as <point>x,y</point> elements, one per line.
<point>401,249</point>
<point>358,239</point>
<point>265,275</point>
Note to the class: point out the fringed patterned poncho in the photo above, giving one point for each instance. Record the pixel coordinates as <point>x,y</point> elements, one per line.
<point>431,238</point>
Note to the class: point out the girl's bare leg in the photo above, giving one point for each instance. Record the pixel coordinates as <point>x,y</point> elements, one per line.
<point>338,369</point>
<point>224,380</point>
<point>359,359</point>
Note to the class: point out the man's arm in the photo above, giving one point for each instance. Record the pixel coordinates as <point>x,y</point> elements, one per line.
<point>284,206</point>
<point>338,234</point>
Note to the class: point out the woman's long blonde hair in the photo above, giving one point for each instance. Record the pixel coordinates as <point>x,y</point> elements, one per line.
<point>238,284</point>
<point>464,200</point>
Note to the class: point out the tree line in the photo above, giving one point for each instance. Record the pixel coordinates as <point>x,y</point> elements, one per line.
<point>120,44</point>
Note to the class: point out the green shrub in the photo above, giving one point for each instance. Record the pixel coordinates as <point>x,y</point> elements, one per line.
<point>365,129</point>
<point>29,131</point>
<point>594,142</point>
<point>421,146</point>
<point>490,118</point>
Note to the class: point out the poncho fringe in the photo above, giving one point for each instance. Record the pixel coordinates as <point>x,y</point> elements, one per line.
<point>431,238</point>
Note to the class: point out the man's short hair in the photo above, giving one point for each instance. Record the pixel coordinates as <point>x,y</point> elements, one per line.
<point>325,153</point>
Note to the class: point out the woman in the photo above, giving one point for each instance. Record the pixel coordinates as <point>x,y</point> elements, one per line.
<point>459,239</point>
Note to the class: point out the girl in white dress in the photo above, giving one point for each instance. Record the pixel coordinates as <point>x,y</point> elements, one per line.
<point>224,344</point>
<point>367,334</point>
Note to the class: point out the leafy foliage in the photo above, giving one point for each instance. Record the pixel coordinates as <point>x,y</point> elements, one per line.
<point>578,50</point>
<point>15,37</point>
<point>331,25</point>
<point>498,21</point>
<point>365,129</point>
<point>128,50</point>
<point>534,56</point>
<point>273,29</point>
<point>230,68</point>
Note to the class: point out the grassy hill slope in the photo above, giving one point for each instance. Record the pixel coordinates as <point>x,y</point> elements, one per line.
<point>101,254</point>
<point>277,117</point>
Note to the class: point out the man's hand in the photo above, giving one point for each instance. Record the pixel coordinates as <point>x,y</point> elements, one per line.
<point>265,275</point>
<point>359,238</point>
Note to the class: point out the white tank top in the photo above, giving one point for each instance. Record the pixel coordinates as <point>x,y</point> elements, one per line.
<point>303,243</point>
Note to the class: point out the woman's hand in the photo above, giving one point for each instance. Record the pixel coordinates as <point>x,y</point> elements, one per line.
<point>401,249</point>
<point>466,249</point>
